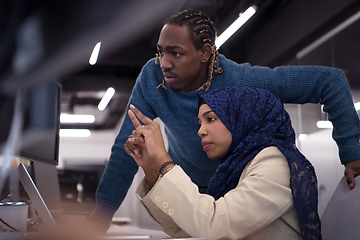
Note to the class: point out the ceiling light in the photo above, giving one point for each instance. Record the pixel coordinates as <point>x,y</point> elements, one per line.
<point>243,17</point>
<point>74,133</point>
<point>76,118</point>
<point>106,98</point>
<point>302,137</point>
<point>95,54</point>
<point>324,124</point>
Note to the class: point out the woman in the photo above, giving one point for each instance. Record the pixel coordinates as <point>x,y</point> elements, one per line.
<point>264,187</point>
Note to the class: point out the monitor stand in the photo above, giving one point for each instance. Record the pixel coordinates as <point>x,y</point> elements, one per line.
<point>36,198</point>
<point>47,182</point>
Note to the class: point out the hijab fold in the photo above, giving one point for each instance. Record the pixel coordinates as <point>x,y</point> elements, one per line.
<point>257,119</point>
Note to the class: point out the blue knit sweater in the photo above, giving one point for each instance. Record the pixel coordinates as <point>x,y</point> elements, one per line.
<point>178,111</point>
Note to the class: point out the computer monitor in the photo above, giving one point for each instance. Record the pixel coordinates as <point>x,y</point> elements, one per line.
<point>41,122</point>
<point>39,136</point>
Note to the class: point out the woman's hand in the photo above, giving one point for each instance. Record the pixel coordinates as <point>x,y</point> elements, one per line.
<point>147,137</point>
<point>135,151</point>
<point>148,141</point>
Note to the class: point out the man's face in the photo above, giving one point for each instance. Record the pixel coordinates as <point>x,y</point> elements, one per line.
<point>180,62</point>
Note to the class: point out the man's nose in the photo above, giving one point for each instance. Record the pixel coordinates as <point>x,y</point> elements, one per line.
<point>165,62</point>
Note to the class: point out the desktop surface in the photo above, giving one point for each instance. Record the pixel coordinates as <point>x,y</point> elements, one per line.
<point>114,232</point>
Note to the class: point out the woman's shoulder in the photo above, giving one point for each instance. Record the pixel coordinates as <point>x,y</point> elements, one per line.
<point>270,151</point>
<point>269,154</point>
<point>267,162</point>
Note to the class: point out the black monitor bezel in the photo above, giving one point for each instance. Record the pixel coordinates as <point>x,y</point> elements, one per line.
<point>55,161</point>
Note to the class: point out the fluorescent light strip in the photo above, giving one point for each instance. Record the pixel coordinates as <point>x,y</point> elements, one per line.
<point>95,54</point>
<point>106,98</point>
<point>302,137</point>
<point>324,124</point>
<point>243,17</point>
<point>75,133</point>
<point>76,118</point>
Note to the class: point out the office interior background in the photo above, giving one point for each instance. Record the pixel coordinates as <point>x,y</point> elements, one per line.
<point>42,41</point>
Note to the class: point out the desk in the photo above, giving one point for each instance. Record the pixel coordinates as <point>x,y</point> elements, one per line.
<point>139,233</point>
<point>125,231</point>
<point>115,232</point>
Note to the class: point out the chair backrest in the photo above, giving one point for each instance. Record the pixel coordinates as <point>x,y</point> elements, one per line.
<point>341,217</point>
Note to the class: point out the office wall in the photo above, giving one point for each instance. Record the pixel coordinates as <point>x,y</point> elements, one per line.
<point>97,147</point>
<point>322,151</point>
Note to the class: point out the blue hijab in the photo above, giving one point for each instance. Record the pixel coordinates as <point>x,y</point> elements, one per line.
<point>257,119</point>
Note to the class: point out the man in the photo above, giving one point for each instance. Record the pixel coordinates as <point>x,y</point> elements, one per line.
<point>188,63</point>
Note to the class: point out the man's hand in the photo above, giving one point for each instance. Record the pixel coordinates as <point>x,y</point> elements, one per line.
<point>352,169</point>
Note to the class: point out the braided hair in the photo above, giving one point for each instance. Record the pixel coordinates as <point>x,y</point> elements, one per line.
<point>202,31</point>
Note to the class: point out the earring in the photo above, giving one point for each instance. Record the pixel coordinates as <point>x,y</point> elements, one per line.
<point>157,58</point>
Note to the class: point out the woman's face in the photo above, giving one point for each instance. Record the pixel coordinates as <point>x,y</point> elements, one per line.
<point>181,64</point>
<point>216,138</point>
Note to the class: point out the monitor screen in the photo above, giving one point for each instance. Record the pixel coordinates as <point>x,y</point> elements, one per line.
<point>41,122</point>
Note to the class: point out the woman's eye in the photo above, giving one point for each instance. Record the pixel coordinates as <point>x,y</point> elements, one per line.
<point>175,54</point>
<point>160,52</point>
<point>210,119</point>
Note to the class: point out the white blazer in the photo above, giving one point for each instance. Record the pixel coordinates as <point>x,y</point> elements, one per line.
<point>260,207</point>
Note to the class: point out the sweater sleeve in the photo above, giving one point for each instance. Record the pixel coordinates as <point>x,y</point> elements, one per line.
<point>262,196</point>
<point>121,168</point>
<point>312,84</point>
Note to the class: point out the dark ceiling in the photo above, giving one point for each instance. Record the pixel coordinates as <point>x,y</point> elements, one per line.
<point>129,30</point>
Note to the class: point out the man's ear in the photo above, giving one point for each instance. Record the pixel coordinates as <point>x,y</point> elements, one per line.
<point>205,52</point>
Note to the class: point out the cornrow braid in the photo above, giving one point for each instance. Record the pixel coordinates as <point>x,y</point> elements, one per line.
<point>212,69</point>
<point>202,31</point>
